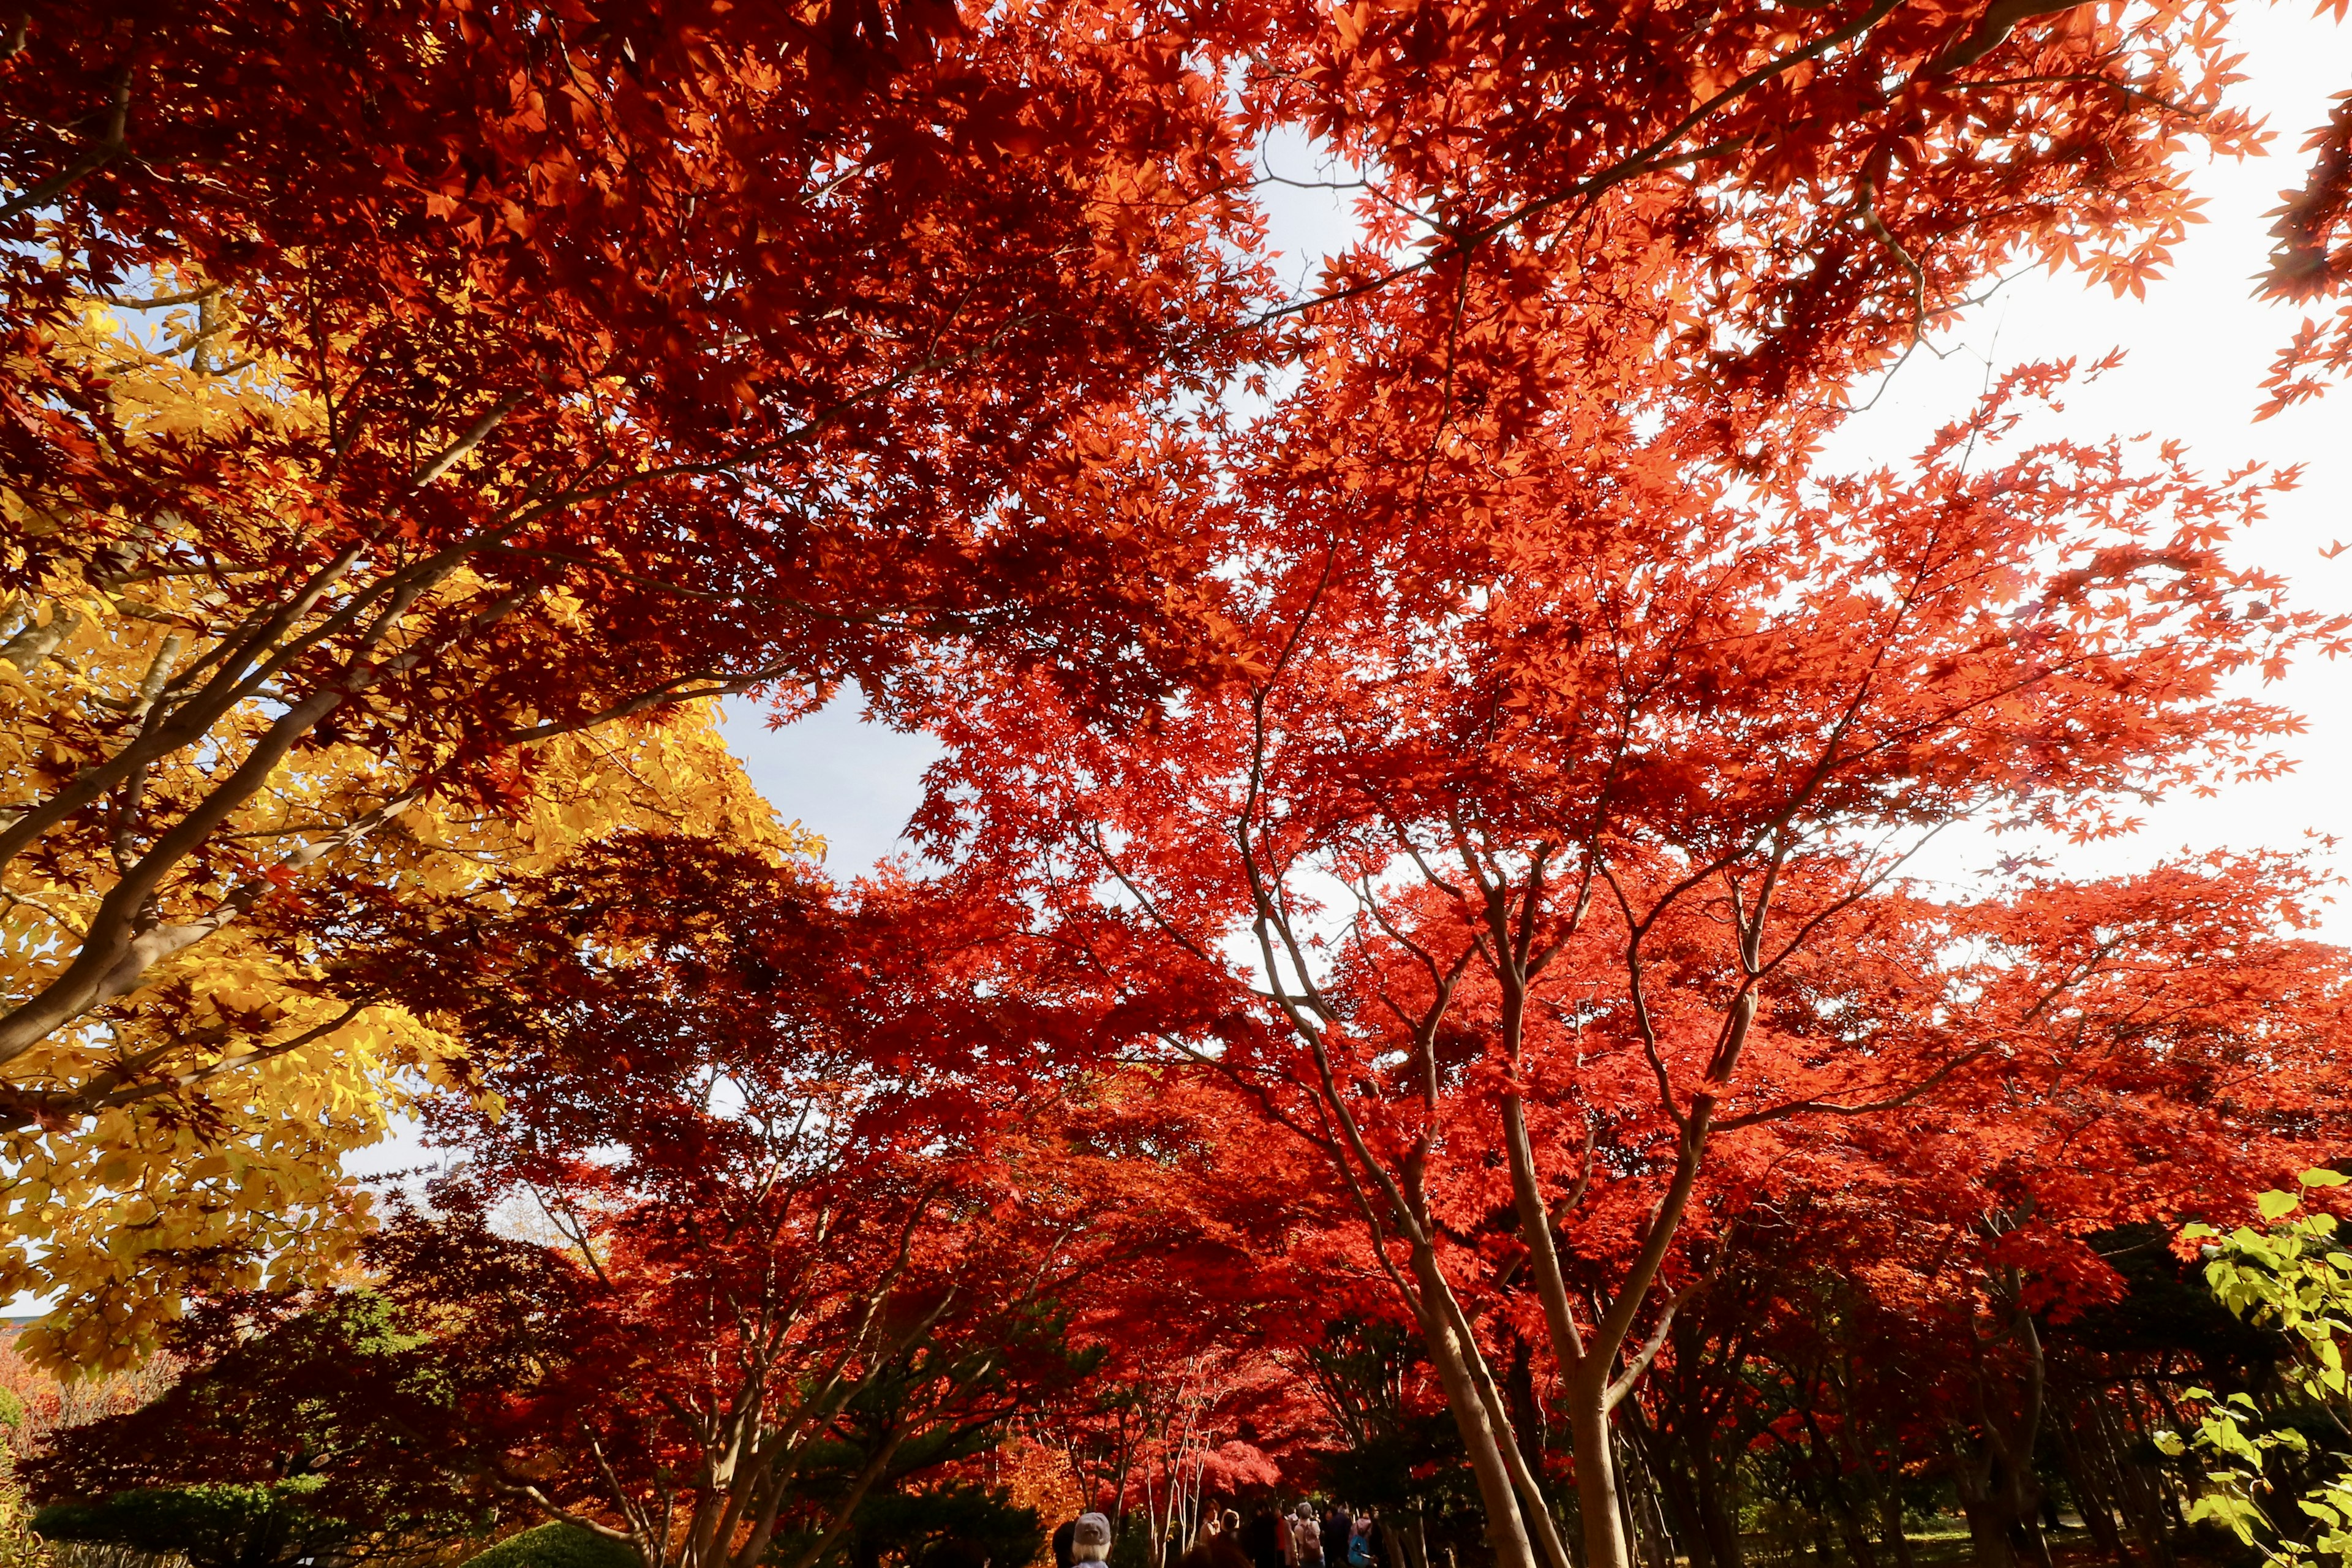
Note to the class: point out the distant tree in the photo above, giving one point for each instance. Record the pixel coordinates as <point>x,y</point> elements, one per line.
<point>812,1202</point>
<point>963,1525</point>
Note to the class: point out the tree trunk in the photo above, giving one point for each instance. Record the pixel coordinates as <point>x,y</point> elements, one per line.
<point>2090,1497</point>
<point>1830,1479</point>
<point>1628,1489</point>
<point>1675,1479</point>
<point>1657,1535</point>
<point>1981,1499</point>
<point>1689,1520</point>
<point>2143,1507</point>
<point>1718,1512</point>
<point>1506,1532</point>
<point>1526,1410</point>
<point>1890,1526</point>
<point>1597,1507</point>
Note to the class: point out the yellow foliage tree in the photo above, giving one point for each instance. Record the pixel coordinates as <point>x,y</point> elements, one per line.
<point>208,725</point>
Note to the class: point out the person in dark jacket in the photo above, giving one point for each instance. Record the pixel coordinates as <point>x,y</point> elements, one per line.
<point>1218,1545</point>
<point>1260,1542</point>
<point>1069,1528</point>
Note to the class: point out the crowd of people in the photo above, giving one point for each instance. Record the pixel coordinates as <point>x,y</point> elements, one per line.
<point>1333,1536</point>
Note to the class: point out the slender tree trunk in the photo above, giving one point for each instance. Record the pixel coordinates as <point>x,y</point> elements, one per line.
<point>2090,1497</point>
<point>1526,1411</point>
<point>1829,1481</point>
<point>1890,1527</point>
<point>2164,1507</point>
<point>1981,1500</point>
<point>2143,1511</point>
<point>1392,1540</point>
<point>1677,1484</point>
<point>1506,1532</point>
<point>1654,1533</point>
<point>1628,1488</point>
<point>1718,1515</point>
<point>1668,1488</point>
<point>1859,1459</point>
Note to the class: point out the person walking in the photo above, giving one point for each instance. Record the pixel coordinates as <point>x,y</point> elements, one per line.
<point>1306,1537</point>
<point>1261,1541</point>
<point>1220,1544</point>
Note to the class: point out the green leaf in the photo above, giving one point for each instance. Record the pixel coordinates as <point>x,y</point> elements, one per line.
<point>2276,1205</point>
<point>2320,1176</point>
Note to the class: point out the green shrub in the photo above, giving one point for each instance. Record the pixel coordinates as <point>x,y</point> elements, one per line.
<point>555,1545</point>
<point>217,1525</point>
<point>945,1527</point>
<point>2279,1479</point>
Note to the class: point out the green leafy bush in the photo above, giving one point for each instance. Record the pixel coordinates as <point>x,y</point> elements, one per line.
<point>2295,1278</point>
<point>556,1545</point>
<point>217,1525</point>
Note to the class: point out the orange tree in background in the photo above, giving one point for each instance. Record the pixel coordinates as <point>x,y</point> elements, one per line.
<point>1906,1294</point>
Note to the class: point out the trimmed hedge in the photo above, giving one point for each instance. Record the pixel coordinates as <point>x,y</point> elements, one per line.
<point>555,1545</point>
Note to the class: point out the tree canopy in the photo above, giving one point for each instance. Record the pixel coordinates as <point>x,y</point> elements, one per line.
<point>1417,976</point>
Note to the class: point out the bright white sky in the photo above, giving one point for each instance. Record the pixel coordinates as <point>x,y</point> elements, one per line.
<point>2199,347</point>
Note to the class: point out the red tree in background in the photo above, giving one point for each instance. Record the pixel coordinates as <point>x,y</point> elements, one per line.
<point>1551,847</point>
<point>800,1147</point>
<point>815,1221</point>
<point>2159,1046</point>
<point>2167,1046</point>
<point>847,1177</point>
<point>1211,1267</point>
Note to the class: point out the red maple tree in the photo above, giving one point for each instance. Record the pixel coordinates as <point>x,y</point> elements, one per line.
<point>1556,842</point>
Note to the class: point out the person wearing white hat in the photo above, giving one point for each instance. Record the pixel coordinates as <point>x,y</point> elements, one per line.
<point>1090,1542</point>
